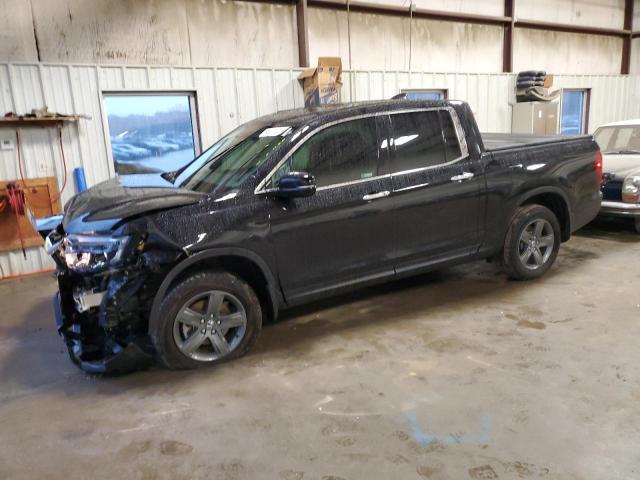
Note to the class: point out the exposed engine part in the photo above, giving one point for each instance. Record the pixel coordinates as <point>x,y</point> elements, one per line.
<point>121,305</point>
<point>87,300</point>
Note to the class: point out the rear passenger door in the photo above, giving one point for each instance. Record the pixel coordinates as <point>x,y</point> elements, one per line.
<point>436,189</point>
<point>342,235</point>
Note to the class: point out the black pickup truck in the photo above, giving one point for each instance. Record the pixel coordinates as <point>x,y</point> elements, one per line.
<point>292,207</point>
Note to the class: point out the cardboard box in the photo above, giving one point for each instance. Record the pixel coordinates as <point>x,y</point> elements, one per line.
<point>322,84</point>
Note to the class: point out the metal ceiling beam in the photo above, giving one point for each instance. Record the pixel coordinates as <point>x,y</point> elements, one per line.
<point>568,28</point>
<point>508,21</point>
<point>381,9</point>
<point>303,33</point>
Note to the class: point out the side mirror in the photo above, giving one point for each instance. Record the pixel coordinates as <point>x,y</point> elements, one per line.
<point>296,184</point>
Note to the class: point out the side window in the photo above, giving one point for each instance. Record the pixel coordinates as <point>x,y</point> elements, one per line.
<point>342,153</point>
<point>451,143</point>
<point>418,140</point>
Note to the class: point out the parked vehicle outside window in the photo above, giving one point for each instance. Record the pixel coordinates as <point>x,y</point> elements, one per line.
<point>150,133</point>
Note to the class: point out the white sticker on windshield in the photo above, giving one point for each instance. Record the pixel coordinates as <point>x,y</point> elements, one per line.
<point>274,131</point>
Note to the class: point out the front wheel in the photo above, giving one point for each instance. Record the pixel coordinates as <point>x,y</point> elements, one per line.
<point>532,242</point>
<point>207,318</point>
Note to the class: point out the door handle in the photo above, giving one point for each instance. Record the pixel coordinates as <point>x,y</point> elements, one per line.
<point>375,196</point>
<point>463,176</point>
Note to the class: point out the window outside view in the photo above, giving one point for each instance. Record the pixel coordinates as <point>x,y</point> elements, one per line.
<point>150,133</point>
<point>572,121</point>
<point>425,94</point>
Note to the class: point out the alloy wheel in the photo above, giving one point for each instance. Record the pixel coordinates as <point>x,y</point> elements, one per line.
<point>210,325</point>
<point>536,244</point>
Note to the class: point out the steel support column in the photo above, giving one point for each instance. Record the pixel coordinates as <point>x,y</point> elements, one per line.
<point>507,42</point>
<point>627,40</point>
<point>303,34</point>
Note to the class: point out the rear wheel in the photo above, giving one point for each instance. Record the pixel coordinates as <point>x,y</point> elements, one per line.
<point>207,318</point>
<point>532,242</point>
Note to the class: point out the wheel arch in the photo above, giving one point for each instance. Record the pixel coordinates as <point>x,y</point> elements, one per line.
<point>555,200</point>
<point>244,263</point>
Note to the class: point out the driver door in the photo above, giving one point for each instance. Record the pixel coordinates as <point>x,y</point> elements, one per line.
<point>341,235</point>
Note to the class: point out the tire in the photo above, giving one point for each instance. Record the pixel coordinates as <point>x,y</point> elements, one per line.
<point>202,314</point>
<point>637,224</point>
<point>530,250</point>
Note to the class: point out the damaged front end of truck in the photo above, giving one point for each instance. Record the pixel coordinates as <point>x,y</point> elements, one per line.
<point>108,278</point>
<point>107,284</point>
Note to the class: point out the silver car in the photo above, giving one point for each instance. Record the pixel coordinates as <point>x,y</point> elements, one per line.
<point>620,145</point>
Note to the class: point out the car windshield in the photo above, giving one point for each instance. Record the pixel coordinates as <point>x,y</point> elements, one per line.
<point>623,139</point>
<point>232,160</point>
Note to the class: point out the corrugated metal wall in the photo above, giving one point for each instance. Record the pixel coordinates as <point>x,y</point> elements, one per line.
<point>225,98</point>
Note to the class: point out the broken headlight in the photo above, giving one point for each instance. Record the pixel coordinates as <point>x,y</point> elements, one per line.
<point>92,253</point>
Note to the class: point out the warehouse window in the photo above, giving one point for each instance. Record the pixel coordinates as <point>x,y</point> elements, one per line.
<point>425,94</point>
<point>151,132</point>
<point>574,112</point>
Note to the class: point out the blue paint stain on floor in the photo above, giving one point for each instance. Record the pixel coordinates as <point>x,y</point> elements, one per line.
<point>424,439</point>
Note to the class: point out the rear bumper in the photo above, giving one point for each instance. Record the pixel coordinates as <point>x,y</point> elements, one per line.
<point>619,209</point>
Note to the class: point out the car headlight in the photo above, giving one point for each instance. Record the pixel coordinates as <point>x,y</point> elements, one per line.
<point>631,189</point>
<point>92,253</point>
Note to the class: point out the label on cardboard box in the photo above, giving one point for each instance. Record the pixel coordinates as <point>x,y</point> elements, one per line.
<point>322,84</point>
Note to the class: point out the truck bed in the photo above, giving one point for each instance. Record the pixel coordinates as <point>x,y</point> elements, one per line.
<point>503,141</point>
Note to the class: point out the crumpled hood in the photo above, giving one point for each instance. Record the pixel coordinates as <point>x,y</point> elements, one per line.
<point>621,166</point>
<point>110,202</point>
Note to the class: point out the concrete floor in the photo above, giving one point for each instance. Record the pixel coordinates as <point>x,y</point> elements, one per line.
<point>458,374</point>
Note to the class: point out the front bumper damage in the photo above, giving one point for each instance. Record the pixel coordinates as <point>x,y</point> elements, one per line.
<point>102,308</point>
<point>121,360</point>
<point>109,337</point>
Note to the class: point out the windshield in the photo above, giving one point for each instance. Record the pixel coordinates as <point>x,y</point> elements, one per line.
<point>233,159</point>
<point>622,139</point>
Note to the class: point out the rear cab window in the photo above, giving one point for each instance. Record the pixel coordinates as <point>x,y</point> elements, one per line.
<point>417,141</point>
<point>422,140</point>
<point>425,148</point>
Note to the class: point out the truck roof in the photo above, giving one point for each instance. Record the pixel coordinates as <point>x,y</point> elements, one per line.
<point>326,113</point>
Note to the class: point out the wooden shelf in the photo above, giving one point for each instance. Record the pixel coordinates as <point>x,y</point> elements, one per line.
<point>37,122</point>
